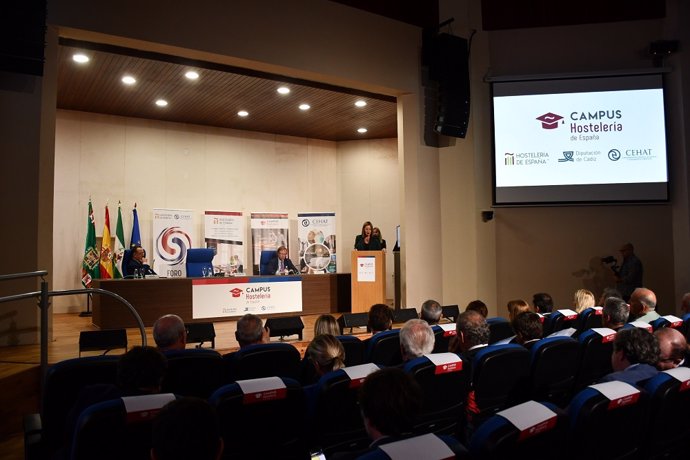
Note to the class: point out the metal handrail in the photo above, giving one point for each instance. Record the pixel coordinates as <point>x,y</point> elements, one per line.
<point>43,304</point>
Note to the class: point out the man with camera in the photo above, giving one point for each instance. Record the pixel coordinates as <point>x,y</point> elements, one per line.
<point>629,274</point>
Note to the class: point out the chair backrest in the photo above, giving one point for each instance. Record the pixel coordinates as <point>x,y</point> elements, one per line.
<point>106,339</point>
<point>500,329</point>
<point>559,320</point>
<point>451,312</point>
<point>384,348</point>
<point>442,335</point>
<point>118,428</point>
<point>335,422</point>
<point>262,418</point>
<point>63,383</point>
<point>594,362</point>
<point>198,259</point>
<point>445,384</point>
<point>193,372</point>
<point>668,431</point>
<point>264,259</point>
<point>499,377</point>
<point>200,333</point>
<point>508,434</point>
<point>126,257</point>
<point>606,427</point>
<point>404,314</point>
<point>667,321</point>
<point>354,350</point>
<point>588,318</point>
<point>554,363</point>
<point>263,360</point>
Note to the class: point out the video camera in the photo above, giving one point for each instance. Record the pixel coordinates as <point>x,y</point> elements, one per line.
<point>613,262</point>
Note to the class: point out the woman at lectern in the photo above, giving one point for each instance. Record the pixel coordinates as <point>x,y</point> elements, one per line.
<point>366,241</point>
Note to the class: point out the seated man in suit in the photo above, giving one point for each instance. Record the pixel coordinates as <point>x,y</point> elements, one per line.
<point>251,331</point>
<point>169,333</point>
<point>614,313</point>
<point>416,339</point>
<point>672,348</point>
<point>280,264</point>
<point>635,355</point>
<point>137,264</point>
<point>431,311</point>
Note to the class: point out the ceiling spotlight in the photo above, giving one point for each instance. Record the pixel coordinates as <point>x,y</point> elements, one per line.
<point>161,102</point>
<point>361,103</point>
<point>192,75</point>
<point>362,130</point>
<point>284,90</point>
<point>242,113</point>
<point>80,58</point>
<point>304,107</point>
<point>128,80</point>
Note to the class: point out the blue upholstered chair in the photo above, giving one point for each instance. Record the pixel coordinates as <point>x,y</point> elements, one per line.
<point>198,259</point>
<point>553,365</point>
<point>264,259</point>
<point>126,257</point>
<point>383,348</point>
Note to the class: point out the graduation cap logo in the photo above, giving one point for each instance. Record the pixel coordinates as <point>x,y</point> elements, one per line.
<point>549,120</point>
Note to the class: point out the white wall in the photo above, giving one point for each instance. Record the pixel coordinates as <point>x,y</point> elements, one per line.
<point>171,165</point>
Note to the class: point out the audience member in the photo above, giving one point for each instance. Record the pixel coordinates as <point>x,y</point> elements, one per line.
<point>472,334</point>
<point>184,429</point>
<point>672,348</point>
<point>479,307</point>
<point>380,318</point>
<point>542,303</point>
<point>431,311</point>
<point>635,355</point>
<point>609,292</point>
<point>416,339</point>
<point>582,299</point>
<point>169,333</point>
<point>685,304</point>
<point>643,305</point>
<point>614,313</point>
<point>251,331</point>
<point>516,307</point>
<point>326,354</point>
<point>528,328</point>
<point>326,324</point>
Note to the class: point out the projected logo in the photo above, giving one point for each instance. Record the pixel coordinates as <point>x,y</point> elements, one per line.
<point>509,159</point>
<point>172,244</point>
<point>614,155</point>
<point>549,120</point>
<point>567,156</point>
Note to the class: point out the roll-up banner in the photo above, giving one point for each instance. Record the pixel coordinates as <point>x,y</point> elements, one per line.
<point>173,233</point>
<point>224,231</point>
<point>316,237</point>
<point>269,231</point>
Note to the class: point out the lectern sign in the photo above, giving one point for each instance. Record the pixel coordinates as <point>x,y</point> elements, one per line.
<point>366,269</point>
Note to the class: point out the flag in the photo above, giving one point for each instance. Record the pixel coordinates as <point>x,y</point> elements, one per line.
<point>136,236</point>
<point>89,264</point>
<point>118,271</point>
<point>106,251</point>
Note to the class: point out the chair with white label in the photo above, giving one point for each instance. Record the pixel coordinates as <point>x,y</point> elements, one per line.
<point>261,418</point>
<point>594,361</point>
<point>445,383</point>
<point>531,430</point>
<point>559,320</point>
<point>427,446</point>
<point>607,422</point>
<point>553,365</point>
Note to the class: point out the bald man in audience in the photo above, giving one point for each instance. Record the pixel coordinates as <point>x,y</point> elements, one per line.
<point>416,339</point>
<point>685,304</point>
<point>672,348</point>
<point>169,333</point>
<point>643,305</point>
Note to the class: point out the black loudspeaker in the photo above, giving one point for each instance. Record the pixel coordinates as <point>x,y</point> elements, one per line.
<point>201,332</point>
<point>403,315</point>
<point>353,320</point>
<point>446,79</point>
<point>281,327</point>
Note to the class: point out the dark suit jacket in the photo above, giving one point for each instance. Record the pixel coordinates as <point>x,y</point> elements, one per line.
<point>136,265</point>
<point>273,266</point>
<point>374,244</point>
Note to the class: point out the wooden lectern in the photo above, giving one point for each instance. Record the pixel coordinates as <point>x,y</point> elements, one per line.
<point>368,279</point>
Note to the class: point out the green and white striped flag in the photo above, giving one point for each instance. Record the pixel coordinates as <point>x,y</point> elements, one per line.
<point>118,271</point>
<point>90,269</point>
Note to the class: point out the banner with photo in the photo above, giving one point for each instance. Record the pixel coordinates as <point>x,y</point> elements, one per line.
<point>316,237</point>
<point>224,231</point>
<point>269,231</point>
<point>173,233</point>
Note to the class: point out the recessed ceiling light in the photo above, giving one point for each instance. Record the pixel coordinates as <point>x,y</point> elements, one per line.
<point>243,113</point>
<point>192,75</point>
<point>80,58</point>
<point>361,103</point>
<point>161,102</point>
<point>304,107</point>
<point>362,130</point>
<point>284,90</point>
<point>128,80</point>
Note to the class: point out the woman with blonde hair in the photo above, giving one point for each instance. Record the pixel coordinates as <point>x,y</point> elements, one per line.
<point>583,299</point>
<point>326,353</point>
<point>326,324</point>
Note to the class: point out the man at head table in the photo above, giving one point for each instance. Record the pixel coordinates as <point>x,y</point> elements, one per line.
<point>137,264</point>
<point>366,241</point>
<point>280,264</point>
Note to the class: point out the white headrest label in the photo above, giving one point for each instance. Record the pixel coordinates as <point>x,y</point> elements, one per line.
<point>427,446</point>
<point>445,362</point>
<point>531,418</point>
<point>619,393</point>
